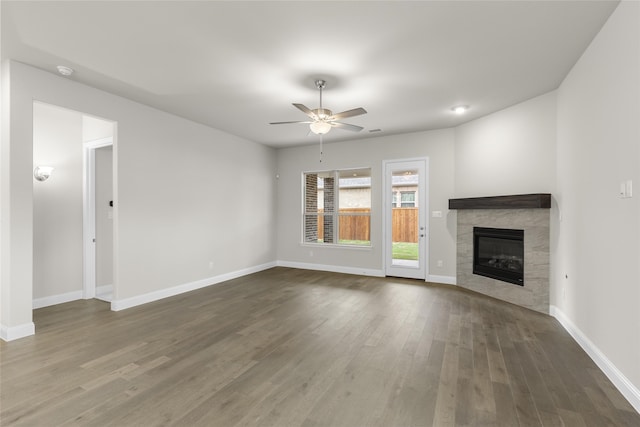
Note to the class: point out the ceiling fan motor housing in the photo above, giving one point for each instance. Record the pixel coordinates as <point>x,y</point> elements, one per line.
<point>322,113</point>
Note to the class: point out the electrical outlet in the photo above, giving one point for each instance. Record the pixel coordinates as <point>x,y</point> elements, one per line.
<point>440,263</point>
<point>210,265</point>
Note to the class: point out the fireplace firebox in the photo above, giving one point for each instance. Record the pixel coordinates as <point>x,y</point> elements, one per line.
<point>498,253</point>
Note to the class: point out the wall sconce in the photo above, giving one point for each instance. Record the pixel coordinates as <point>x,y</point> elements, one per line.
<point>42,173</point>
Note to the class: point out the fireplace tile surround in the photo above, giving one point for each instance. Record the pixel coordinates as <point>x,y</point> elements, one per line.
<point>535,223</point>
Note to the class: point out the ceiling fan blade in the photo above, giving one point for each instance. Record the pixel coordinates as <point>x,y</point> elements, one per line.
<point>306,110</point>
<point>348,113</point>
<point>346,126</point>
<point>286,123</point>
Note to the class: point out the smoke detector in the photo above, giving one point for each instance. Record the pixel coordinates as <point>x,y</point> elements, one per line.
<point>64,70</point>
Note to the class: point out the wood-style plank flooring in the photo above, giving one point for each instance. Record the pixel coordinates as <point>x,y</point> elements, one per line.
<point>288,347</point>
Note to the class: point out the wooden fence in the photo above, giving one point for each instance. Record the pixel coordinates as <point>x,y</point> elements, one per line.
<point>404,222</point>
<point>354,225</point>
<point>358,227</point>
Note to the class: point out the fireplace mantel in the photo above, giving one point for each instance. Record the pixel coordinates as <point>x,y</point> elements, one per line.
<point>520,201</point>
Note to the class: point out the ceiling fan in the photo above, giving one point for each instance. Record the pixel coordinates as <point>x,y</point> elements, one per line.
<point>323,119</point>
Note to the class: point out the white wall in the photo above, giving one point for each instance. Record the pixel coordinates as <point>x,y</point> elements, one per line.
<point>17,219</point>
<point>94,128</point>
<point>598,146</point>
<point>57,202</point>
<point>509,152</point>
<point>292,162</point>
<point>5,244</point>
<point>170,219</point>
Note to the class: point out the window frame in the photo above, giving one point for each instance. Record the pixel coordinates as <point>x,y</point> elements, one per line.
<point>412,202</point>
<point>335,174</point>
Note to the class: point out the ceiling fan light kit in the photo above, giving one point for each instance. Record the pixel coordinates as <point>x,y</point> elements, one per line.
<point>323,119</point>
<point>320,127</point>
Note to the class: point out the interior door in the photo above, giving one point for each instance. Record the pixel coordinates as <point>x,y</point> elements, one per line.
<point>98,218</point>
<point>405,219</point>
<point>104,222</point>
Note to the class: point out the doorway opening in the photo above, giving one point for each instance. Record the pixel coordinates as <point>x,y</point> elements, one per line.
<point>74,150</point>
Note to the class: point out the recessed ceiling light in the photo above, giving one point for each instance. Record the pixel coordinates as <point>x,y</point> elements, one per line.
<point>64,70</point>
<point>460,109</point>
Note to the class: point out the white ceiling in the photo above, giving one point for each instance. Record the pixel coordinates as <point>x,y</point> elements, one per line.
<point>237,66</point>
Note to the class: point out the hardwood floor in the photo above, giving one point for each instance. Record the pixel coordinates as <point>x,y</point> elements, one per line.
<point>289,347</point>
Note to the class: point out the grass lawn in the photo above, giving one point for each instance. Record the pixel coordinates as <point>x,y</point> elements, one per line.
<point>404,250</point>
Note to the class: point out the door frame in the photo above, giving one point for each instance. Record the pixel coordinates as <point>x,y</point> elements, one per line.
<point>89,214</point>
<point>423,220</point>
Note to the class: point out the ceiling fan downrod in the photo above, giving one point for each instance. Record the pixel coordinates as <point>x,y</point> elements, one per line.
<point>320,84</point>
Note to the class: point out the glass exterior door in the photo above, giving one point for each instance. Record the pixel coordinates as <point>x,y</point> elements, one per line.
<point>405,219</point>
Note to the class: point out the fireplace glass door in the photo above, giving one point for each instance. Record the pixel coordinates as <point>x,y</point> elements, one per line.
<point>499,254</point>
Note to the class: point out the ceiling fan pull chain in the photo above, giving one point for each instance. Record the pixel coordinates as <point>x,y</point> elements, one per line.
<point>320,148</point>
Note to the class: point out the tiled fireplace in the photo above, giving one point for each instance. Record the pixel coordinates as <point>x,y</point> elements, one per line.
<point>502,219</point>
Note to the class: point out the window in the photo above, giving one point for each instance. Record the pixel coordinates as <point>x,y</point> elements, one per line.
<point>407,199</point>
<point>337,207</point>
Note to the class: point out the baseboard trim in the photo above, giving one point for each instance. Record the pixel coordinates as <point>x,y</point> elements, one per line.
<point>57,299</point>
<point>122,304</point>
<point>622,383</point>
<point>10,333</point>
<point>447,280</point>
<point>332,268</point>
